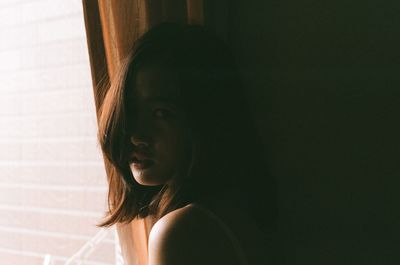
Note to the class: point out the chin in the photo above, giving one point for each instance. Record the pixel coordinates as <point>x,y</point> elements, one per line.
<point>148,182</point>
<point>147,179</point>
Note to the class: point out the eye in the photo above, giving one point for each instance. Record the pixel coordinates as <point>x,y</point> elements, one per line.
<point>161,113</point>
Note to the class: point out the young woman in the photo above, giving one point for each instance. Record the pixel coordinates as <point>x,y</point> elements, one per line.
<point>175,127</point>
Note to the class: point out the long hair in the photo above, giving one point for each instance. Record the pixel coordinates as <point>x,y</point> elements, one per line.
<point>225,150</point>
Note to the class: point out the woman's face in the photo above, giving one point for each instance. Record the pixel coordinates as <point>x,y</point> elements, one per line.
<point>156,126</point>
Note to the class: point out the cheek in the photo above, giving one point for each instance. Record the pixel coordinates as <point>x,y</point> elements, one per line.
<point>173,145</point>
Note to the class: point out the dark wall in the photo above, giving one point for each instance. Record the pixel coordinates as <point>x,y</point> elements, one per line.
<point>324,78</point>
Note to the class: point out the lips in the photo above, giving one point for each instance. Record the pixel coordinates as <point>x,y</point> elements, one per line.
<point>138,157</point>
<point>140,161</point>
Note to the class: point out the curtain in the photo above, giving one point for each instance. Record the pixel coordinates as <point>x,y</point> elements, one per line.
<point>111,28</point>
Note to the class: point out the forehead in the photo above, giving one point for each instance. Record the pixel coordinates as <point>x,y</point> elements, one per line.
<point>155,81</point>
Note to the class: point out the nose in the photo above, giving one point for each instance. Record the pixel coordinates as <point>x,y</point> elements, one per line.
<point>139,141</point>
<point>140,135</point>
<point>140,130</point>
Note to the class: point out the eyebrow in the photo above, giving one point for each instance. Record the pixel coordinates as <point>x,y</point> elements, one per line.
<point>161,99</point>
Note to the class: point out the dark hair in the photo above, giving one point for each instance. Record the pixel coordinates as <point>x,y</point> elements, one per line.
<point>224,145</point>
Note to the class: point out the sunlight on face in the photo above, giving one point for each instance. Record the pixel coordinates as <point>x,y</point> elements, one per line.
<point>157,131</point>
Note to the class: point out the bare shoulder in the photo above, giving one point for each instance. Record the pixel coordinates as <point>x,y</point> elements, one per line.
<point>188,236</point>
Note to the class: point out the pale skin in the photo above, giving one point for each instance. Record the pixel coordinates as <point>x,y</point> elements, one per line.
<point>186,235</point>
<point>189,236</point>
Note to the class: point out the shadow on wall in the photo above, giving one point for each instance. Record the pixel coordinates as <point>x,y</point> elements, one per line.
<point>324,79</point>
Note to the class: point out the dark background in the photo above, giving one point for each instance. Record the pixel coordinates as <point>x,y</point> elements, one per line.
<point>323,78</point>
